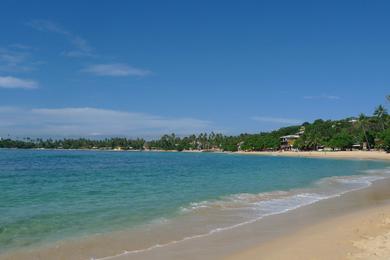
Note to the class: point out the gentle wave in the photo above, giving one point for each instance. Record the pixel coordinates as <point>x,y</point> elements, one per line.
<point>266,204</point>
<point>322,189</point>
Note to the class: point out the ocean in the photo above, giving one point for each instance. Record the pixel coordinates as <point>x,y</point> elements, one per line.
<point>55,195</point>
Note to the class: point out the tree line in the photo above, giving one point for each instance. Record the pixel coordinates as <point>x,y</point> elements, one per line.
<point>372,132</point>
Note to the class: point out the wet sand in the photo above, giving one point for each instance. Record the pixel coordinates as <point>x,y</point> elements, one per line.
<point>364,234</point>
<point>336,228</point>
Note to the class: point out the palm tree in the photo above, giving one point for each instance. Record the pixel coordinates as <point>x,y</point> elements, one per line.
<point>362,121</point>
<point>380,112</point>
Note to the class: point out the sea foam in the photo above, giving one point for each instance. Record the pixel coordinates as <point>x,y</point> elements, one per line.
<point>257,206</point>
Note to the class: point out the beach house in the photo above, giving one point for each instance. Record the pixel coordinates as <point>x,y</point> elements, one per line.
<point>287,141</point>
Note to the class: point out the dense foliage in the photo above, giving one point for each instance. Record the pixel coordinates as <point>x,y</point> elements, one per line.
<point>369,132</point>
<point>82,143</point>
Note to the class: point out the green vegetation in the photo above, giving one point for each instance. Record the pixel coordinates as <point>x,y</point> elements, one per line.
<point>369,132</point>
<point>82,143</point>
<point>386,140</point>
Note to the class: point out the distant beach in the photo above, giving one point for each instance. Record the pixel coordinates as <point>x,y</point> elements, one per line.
<point>363,155</point>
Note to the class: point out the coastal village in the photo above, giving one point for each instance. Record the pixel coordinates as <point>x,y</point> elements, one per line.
<point>364,133</point>
<point>287,142</point>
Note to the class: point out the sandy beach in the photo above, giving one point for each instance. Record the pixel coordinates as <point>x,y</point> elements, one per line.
<point>364,234</point>
<point>355,225</point>
<point>360,235</point>
<point>363,155</point>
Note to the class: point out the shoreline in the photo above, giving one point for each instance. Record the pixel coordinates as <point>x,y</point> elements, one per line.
<point>348,155</point>
<point>282,235</point>
<point>352,155</point>
<point>360,234</point>
<point>260,237</point>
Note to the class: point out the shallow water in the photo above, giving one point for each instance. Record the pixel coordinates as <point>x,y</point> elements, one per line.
<point>55,195</point>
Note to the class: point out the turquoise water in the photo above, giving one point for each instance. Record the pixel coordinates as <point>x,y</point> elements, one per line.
<point>52,195</point>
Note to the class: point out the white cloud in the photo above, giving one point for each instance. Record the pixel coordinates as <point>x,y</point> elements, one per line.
<point>11,57</point>
<point>12,82</point>
<point>72,122</point>
<point>116,70</point>
<point>82,47</point>
<point>45,25</point>
<point>16,59</point>
<point>21,46</point>
<point>276,120</point>
<point>323,96</point>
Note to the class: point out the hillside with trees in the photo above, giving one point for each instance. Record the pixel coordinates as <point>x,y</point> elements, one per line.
<point>362,132</point>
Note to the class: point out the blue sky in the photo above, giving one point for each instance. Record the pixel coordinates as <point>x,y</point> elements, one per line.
<point>144,68</point>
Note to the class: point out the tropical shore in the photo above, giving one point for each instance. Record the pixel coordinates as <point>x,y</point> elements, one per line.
<point>355,225</point>
<point>362,155</point>
<point>364,234</point>
<point>361,235</point>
